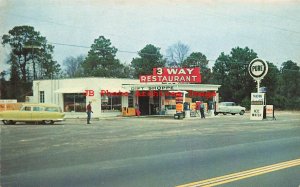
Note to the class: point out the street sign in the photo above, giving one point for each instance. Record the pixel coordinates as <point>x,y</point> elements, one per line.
<point>258,68</point>
<point>263,89</point>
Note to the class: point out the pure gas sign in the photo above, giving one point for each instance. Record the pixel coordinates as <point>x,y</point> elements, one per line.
<point>258,69</point>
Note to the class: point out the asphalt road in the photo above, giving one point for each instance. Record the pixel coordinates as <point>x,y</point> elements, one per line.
<point>138,152</point>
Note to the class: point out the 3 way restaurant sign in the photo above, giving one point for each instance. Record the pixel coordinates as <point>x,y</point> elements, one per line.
<point>189,75</point>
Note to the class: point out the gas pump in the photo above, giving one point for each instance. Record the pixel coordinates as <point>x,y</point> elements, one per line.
<point>180,100</point>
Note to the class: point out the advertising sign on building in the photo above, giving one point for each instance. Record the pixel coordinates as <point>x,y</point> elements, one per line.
<point>191,75</point>
<point>8,104</point>
<point>5,101</point>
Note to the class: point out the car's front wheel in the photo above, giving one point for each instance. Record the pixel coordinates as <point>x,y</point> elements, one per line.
<point>48,122</point>
<point>242,112</point>
<point>8,122</point>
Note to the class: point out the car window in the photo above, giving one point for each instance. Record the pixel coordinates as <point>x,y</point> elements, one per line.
<point>36,108</point>
<point>51,109</point>
<point>26,108</point>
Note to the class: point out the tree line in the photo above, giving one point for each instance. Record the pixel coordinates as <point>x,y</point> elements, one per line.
<point>31,58</point>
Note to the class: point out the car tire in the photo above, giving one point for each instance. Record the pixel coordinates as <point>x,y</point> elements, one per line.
<point>5,122</point>
<point>233,114</point>
<point>8,122</point>
<point>242,112</point>
<point>48,122</point>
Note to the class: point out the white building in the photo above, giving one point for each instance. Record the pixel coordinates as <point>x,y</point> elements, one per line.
<point>110,95</point>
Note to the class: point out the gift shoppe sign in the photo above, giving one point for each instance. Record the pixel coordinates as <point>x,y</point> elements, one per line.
<point>189,75</point>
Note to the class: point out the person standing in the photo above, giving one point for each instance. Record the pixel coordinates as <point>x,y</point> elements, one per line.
<point>202,110</point>
<point>89,111</point>
<point>198,103</point>
<point>137,110</point>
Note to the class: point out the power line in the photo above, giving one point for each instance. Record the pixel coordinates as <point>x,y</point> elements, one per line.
<point>246,21</point>
<point>70,45</point>
<point>239,19</point>
<point>276,15</point>
<point>134,52</point>
<point>122,51</point>
<point>81,46</point>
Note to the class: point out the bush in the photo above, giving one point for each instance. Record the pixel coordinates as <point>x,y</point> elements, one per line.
<point>246,102</point>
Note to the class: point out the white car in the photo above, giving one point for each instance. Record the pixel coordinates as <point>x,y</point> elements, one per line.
<point>229,108</point>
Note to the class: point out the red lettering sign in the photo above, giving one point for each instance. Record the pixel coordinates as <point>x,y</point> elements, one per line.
<point>176,71</point>
<point>201,94</point>
<point>108,93</point>
<point>191,75</point>
<point>89,93</point>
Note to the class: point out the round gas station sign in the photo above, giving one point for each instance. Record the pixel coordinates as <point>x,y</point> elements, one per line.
<point>258,68</point>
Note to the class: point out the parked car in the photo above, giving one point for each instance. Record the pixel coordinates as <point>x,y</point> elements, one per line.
<point>229,108</point>
<point>45,113</point>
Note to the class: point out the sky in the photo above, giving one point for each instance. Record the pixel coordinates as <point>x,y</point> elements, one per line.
<point>270,27</point>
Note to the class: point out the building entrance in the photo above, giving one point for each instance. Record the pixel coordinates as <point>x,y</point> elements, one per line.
<point>144,105</point>
<point>149,105</point>
<point>154,105</point>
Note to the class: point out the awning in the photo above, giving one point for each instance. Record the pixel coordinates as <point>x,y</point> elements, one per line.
<point>70,90</point>
<point>172,87</point>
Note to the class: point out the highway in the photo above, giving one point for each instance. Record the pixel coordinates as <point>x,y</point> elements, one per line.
<point>153,151</point>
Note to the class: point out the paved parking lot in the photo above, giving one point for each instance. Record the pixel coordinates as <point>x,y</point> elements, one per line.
<point>148,151</point>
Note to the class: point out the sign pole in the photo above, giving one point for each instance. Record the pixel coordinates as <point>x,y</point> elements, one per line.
<point>257,68</point>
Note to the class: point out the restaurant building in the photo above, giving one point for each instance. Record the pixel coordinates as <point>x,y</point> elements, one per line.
<point>110,95</point>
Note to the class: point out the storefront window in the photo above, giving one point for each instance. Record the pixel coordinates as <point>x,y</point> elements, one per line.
<point>170,102</point>
<point>42,97</point>
<point>110,103</point>
<point>74,102</point>
<point>130,100</point>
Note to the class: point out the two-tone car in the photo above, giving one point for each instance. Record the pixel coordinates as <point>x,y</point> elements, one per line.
<point>229,108</point>
<point>39,113</point>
